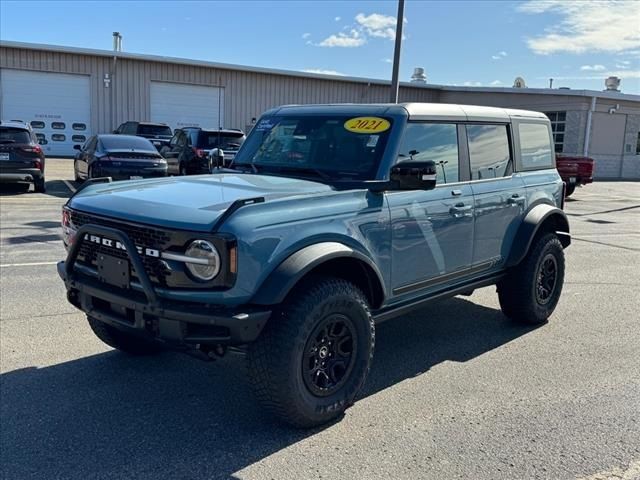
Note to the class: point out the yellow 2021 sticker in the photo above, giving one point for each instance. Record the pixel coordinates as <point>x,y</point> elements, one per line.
<point>367,125</point>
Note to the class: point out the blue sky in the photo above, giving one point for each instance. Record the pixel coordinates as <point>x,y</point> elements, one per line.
<point>457,42</point>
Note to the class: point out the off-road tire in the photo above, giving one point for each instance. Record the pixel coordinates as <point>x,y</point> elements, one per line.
<point>275,360</point>
<point>519,292</point>
<point>121,340</point>
<point>39,186</point>
<point>569,191</point>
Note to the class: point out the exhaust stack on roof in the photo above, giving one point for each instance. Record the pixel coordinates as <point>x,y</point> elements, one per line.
<point>117,42</point>
<point>418,75</point>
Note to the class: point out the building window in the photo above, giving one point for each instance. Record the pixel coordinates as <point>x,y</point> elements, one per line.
<point>58,125</point>
<point>558,123</point>
<point>37,124</point>
<point>42,140</point>
<point>58,137</point>
<point>79,126</point>
<point>78,138</point>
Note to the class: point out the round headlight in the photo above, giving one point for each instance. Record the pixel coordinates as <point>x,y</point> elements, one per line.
<point>205,260</point>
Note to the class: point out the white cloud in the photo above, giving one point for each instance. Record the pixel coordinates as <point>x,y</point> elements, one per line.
<point>378,25</point>
<point>593,68</point>
<point>623,74</point>
<point>496,83</point>
<point>337,19</point>
<point>322,71</point>
<point>472,84</point>
<point>306,35</point>
<point>586,26</point>
<point>623,64</point>
<point>499,55</point>
<point>387,60</point>
<point>345,40</point>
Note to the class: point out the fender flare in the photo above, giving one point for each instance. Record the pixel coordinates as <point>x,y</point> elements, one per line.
<point>530,226</point>
<point>286,275</point>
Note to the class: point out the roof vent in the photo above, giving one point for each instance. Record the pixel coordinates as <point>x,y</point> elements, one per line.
<point>612,84</point>
<point>519,83</point>
<point>418,75</point>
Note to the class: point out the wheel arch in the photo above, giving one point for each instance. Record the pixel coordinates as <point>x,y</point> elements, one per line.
<point>542,218</point>
<point>327,258</point>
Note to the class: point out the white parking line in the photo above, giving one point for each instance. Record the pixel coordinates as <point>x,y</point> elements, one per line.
<point>32,264</point>
<point>71,187</point>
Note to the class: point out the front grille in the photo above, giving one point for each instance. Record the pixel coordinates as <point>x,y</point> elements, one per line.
<point>142,236</point>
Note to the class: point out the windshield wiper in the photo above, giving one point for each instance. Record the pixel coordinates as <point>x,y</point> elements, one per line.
<point>303,170</point>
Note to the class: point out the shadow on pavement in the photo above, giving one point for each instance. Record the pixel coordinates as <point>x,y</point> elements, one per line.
<point>54,188</point>
<point>172,416</point>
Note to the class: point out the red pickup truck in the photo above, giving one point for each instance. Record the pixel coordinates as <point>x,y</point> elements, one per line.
<point>575,171</point>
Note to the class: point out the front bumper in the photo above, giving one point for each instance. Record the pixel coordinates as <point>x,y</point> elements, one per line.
<point>179,323</point>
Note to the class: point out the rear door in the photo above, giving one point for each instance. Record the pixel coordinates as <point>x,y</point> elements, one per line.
<point>499,195</point>
<point>432,231</point>
<point>172,152</point>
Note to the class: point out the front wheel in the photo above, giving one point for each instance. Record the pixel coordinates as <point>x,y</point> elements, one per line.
<point>531,291</point>
<point>570,190</point>
<point>314,355</point>
<point>39,186</point>
<point>121,340</point>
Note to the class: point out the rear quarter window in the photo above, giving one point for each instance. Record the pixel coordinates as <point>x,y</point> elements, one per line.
<point>535,146</point>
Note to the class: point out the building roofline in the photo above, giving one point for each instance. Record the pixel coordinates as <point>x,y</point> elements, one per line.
<point>317,76</point>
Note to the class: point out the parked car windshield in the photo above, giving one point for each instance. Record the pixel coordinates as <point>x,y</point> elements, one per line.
<point>126,142</point>
<point>14,135</point>
<point>315,143</point>
<point>226,140</point>
<point>154,130</point>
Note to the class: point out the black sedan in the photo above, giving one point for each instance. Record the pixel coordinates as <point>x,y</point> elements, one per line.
<point>121,157</point>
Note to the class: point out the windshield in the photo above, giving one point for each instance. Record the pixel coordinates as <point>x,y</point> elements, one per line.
<point>329,145</point>
<point>226,140</point>
<point>14,135</point>
<point>126,142</point>
<point>154,130</point>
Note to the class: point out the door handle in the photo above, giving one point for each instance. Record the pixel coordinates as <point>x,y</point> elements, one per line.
<point>516,200</point>
<point>456,193</point>
<point>460,209</point>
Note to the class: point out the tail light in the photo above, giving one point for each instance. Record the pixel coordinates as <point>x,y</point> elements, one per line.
<point>200,153</point>
<point>32,149</point>
<point>38,164</point>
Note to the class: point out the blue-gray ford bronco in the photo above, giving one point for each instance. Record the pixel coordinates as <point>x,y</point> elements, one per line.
<point>331,218</point>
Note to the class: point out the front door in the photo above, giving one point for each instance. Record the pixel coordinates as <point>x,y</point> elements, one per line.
<point>500,199</point>
<point>432,231</point>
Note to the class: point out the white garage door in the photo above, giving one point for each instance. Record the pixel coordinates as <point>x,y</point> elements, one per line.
<point>57,105</point>
<point>180,105</point>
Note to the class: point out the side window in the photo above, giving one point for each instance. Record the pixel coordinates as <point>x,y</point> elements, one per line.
<point>488,151</point>
<point>432,141</point>
<point>182,139</point>
<point>91,144</point>
<point>535,145</point>
<point>129,128</point>
<point>174,140</point>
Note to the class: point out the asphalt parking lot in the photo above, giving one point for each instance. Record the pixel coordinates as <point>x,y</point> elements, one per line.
<point>455,391</point>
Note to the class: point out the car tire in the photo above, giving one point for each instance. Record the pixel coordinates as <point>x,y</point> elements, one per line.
<point>530,292</point>
<point>313,356</point>
<point>569,191</point>
<point>121,340</point>
<point>39,186</point>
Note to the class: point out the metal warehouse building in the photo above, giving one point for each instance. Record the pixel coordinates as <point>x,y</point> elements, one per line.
<point>69,93</point>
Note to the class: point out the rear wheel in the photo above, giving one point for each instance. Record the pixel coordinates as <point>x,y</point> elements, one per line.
<point>39,185</point>
<point>570,190</point>
<point>531,291</point>
<point>121,340</point>
<point>313,357</point>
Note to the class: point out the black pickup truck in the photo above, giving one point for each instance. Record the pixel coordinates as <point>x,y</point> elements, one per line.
<point>157,133</point>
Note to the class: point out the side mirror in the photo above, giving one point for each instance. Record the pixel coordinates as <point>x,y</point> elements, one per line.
<point>408,175</point>
<point>77,147</point>
<point>216,156</point>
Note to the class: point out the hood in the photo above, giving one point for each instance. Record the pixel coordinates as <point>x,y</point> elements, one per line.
<point>186,203</point>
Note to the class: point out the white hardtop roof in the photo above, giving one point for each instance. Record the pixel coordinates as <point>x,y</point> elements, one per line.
<point>446,111</point>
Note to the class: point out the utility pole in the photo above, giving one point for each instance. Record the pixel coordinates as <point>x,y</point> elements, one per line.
<point>395,83</point>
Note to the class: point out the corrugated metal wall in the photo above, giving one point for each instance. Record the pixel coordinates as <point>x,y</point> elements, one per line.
<point>247,94</point>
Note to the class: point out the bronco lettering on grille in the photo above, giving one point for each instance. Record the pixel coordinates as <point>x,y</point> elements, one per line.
<point>149,252</point>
